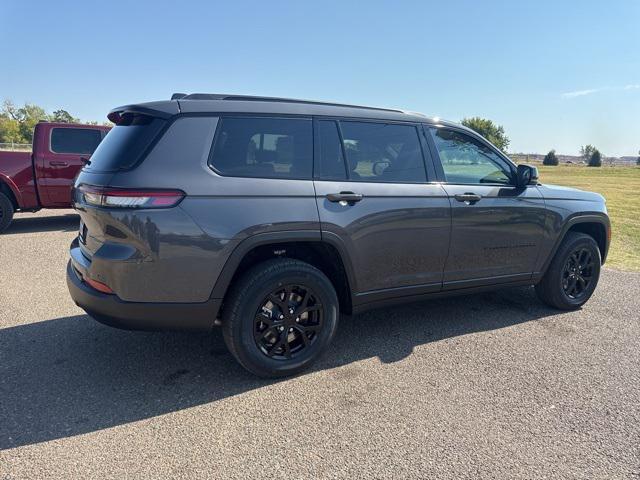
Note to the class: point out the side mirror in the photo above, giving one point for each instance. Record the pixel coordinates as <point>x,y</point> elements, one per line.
<point>526,175</point>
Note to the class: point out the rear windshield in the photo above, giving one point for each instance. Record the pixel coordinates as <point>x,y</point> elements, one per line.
<point>125,143</point>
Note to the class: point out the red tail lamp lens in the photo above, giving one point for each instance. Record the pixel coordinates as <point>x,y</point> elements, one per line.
<point>126,198</point>
<point>101,287</point>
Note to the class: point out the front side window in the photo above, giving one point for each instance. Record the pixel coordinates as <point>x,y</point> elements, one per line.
<point>263,147</point>
<point>467,160</point>
<point>380,152</point>
<point>75,140</point>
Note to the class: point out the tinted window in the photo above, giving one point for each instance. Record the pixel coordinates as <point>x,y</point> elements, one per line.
<point>75,140</point>
<point>125,143</point>
<point>331,164</point>
<point>467,160</point>
<point>263,147</point>
<point>378,152</point>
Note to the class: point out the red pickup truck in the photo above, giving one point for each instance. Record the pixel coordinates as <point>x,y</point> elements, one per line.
<point>42,178</point>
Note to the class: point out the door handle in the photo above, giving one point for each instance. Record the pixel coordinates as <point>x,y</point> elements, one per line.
<point>468,197</point>
<point>346,197</point>
<point>57,163</point>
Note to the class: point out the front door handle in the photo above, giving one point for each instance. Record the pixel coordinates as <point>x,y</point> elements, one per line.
<point>57,163</point>
<point>346,197</point>
<point>468,197</point>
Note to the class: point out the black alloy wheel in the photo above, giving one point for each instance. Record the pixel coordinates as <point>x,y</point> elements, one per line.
<point>279,317</point>
<point>288,321</point>
<point>573,273</point>
<point>578,273</point>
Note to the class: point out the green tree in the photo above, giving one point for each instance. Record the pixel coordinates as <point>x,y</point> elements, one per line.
<point>23,119</point>
<point>489,130</point>
<point>550,158</point>
<point>596,159</point>
<point>64,117</point>
<point>638,159</point>
<point>586,152</point>
<point>10,130</point>
<point>29,115</point>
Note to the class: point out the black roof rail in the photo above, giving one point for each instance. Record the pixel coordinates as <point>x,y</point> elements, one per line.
<point>251,98</point>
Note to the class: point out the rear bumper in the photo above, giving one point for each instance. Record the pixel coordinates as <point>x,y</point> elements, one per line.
<point>112,311</point>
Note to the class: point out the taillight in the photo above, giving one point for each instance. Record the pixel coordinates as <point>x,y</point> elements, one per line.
<point>126,198</point>
<point>101,287</point>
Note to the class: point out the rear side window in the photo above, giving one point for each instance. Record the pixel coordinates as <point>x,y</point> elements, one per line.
<point>75,140</point>
<point>125,143</point>
<point>263,147</point>
<point>379,152</point>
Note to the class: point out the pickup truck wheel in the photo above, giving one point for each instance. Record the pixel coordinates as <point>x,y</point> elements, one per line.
<point>279,317</point>
<point>573,273</point>
<point>6,212</point>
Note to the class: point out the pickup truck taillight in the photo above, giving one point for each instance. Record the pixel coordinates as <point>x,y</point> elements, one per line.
<point>128,198</point>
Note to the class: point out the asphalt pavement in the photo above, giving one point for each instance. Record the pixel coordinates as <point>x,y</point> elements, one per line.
<point>492,385</point>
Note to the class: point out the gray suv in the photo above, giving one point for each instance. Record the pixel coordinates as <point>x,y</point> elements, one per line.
<point>272,216</point>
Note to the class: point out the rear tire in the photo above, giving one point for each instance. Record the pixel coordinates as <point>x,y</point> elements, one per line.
<point>6,212</point>
<point>279,317</point>
<point>573,273</point>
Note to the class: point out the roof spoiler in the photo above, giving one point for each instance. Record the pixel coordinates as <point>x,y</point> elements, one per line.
<point>178,96</point>
<point>162,110</point>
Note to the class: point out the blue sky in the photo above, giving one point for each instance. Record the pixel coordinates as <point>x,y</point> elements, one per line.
<point>555,74</point>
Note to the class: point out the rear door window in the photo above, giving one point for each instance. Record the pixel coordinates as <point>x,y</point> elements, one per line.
<point>75,140</point>
<point>381,152</point>
<point>263,147</point>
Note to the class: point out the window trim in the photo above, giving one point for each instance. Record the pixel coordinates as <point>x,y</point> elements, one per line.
<point>317,152</point>
<point>221,117</point>
<point>508,164</point>
<point>417,127</point>
<point>72,128</point>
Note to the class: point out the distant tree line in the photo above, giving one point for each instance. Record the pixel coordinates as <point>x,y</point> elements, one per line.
<point>496,135</point>
<point>17,123</point>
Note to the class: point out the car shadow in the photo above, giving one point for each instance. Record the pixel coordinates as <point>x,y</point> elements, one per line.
<point>61,223</point>
<point>72,375</point>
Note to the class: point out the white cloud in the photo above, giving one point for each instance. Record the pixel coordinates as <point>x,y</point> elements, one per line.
<point>589,91</point>
<point>580,93</point>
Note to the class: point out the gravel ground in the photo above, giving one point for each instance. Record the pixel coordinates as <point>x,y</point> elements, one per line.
<point>485,386</point>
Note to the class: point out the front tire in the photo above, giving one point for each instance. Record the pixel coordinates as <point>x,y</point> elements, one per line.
<point>6,212</point>
<point>573,273</point>
<point>279,317</point>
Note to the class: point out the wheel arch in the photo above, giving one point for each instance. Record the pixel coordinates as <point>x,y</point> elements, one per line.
<point>595,225</point>
<point>10,190</point>
<point>596,230</point>
<point>323,252</point>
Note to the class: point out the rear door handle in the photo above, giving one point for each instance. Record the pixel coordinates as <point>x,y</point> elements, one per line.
<point>57,163</point>
<point>347,197</point>
<point>468,197</point>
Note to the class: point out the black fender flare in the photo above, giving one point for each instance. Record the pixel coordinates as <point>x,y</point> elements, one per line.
<point>287,236</point>
<point>576,219</point>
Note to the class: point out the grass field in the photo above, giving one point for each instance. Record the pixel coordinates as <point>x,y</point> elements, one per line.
<point>621,187</point>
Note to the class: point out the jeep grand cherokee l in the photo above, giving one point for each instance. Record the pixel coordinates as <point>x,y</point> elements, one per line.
<point>272,216</point>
